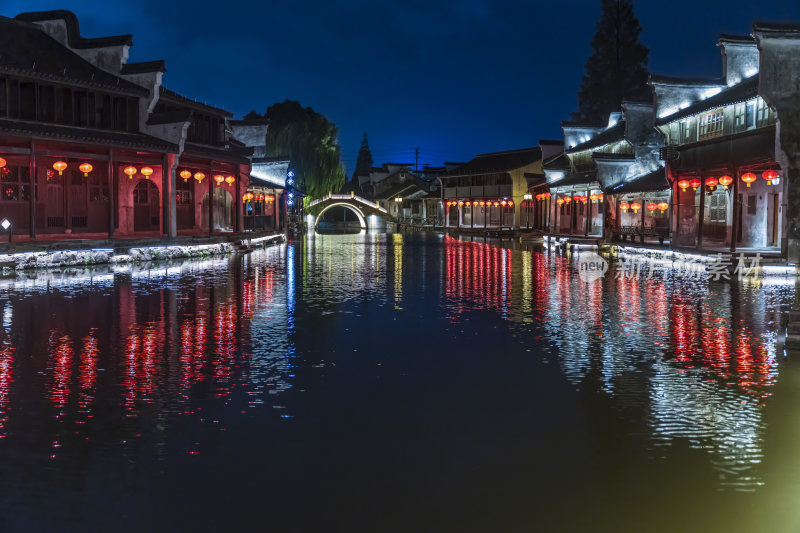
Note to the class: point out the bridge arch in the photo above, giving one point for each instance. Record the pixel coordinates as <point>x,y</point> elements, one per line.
<point>359,214</point>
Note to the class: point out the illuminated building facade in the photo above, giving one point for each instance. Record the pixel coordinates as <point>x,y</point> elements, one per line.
<point>93,146</point>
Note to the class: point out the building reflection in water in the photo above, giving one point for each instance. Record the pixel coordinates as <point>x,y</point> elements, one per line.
<point>695,361</point>
<point>703,352</point>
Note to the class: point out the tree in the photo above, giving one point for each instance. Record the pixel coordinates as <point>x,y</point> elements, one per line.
<point>364,161</point>
<point>310,142</point>
<point>617,68</point>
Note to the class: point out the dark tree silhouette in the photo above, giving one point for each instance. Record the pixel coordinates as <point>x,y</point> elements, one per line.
<point>617,68</point>
<point>364,161</point>
<point>311,142</point>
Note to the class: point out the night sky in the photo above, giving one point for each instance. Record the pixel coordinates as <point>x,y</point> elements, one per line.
<point>452,78</point>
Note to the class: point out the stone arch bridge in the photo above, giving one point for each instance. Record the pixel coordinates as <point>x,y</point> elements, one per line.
<point>361,207</point>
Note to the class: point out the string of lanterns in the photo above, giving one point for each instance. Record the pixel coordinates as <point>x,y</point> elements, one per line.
<point>772,177</point>
<point>249,196</point>
<point>481,203</point>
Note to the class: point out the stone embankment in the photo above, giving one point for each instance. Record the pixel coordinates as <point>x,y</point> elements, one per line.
<point>44,259</point>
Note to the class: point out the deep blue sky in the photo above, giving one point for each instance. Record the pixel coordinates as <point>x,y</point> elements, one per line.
<point>452,78</point>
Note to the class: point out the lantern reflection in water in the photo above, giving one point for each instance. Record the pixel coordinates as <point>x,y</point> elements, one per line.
<point>6,379</point>
<point>477,272</point>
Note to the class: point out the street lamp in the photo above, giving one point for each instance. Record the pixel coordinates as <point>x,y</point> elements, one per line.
<point>6,225</point>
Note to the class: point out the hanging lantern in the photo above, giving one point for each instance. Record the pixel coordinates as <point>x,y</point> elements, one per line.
<point>85,168</point>
<point>483,203</point>
<point>50,173</point>
<point>695,183</point>
<point>230,180</point>
<point>584,199</point>
<point>683,184</point>
<point>663,206</point>
<point>599,197</point>
<point>60,166</point>
<point>130,171</point>
<point>461,202</point>
<point>146,172</point>
<point>748,178</point>
<point>560,202</point>
<point>567,199</point>
<point>246,197</point>
<point>636,206</point>
<point>475,202</point>
<point>652,206</point>
<point>624,206</point>
<point>503,203</point>
<point>510,203</point>
<point>185,174</point>
<point>547,195</point>
<point>496,204</point>
<point>2,162</point>
<point>260,197</point>
<point>711,183</point>
<point>199,176</point>
<point>219,178</point>
<point>769,175</point>
<point>725,181</point>
<point>593,197</point>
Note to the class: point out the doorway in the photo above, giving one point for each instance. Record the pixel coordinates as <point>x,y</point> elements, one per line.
<point>146,216</point>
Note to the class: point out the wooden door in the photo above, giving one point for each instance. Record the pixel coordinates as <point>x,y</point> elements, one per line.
<point>146,211</point>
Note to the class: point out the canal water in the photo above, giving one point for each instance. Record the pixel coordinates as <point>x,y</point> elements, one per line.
<point>395,383</point>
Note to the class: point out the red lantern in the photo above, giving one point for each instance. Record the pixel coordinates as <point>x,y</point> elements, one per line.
<point>711,183</point>
<point>695,183</point>
<point>769,175</point>
<point>652,206</point>
<point>624,206</point>
<point>85,168</point>
<point>483,203</point>
<point>636,206</point>
<point>60,166</point>
<point>497,204</point>
<point>230,180</point>
<point>663,206</point>
<point>146,172</point>
<point>683,184</point>
<point>130,171</point>
<point>560,201</point>
<point>199,176</point>
<point>219,178</point>
<point>725,181</point>
<point>748,178</point>
<point>185,174</point>
<point>510,203</point>
<point>2,162</point>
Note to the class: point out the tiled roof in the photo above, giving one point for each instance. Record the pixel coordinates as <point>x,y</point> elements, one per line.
<point>74,38</point>
<point>581,178</point>
<point>86,135</point>
<point>26,50</point>
<point>144,66</point>
<point>612,134</point>
<point>653,181</point>
<point>175,97</point>
<point>738,93</point>
<point>498,162</point>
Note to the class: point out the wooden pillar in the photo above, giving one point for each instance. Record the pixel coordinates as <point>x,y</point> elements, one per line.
<point>736,221</point>
<point>238,227</point>
<point>702,211</point>
<point>643,202</point>
<point>572,215</point>
<point>32,200</point>
<point>588,213</point>
<point>210,201</point>
<point>66,188</point>
<point>111,196</point>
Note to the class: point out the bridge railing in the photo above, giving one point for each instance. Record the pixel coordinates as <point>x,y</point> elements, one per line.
<point>358,199</point>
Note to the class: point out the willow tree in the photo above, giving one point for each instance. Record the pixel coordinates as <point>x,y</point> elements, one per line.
<point>311,143</point>
<point>617,68</point>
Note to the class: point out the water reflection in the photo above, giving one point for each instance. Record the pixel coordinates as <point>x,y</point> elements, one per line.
<point>164,357</point>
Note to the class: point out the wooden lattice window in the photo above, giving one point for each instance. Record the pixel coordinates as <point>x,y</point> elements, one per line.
<point>710,124</point>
